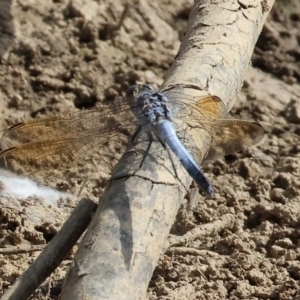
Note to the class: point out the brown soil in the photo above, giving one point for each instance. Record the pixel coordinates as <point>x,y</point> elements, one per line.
<point>68,55</point>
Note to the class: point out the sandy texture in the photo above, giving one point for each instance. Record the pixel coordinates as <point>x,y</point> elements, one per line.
<point>244,245</point>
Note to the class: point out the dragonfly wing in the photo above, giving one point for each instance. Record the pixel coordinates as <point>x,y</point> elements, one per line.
<point>61,152</point>
<point>101,119</point>
<point>60,140</point>
<point>198,120</point>
<point>52,145</point>
<point>211,140</point>
<point>190,114</point>
<point>230,136</point>
<point>203,108</point>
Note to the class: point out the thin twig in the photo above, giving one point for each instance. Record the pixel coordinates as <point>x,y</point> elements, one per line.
<point>21,249</point>
<point>226,221</point>
<point>53,253</point>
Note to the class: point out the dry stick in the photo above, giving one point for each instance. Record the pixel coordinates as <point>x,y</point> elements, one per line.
<point>191,251</point>
<point>225,222</point>
<point>54,252</point>
<point>21,249</point>
<point>122,245</point>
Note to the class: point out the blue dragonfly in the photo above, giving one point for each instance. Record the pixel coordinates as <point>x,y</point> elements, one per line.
<point>183,123</point>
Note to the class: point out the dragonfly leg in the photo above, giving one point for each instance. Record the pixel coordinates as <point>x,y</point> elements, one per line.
<point>170,157</point>
<point>136,133</point>
<point>150,137</point>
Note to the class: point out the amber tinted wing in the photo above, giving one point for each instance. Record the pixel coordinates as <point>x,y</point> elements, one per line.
<point>60,140</point>
<point>230,136</point>
<point>58,151</point>
<point>38,134</point>
<point>219,137</point>
<point>101,119</point>
<point>197,109</point>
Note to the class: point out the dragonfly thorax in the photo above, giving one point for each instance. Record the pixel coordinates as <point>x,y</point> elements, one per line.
<point>150,105</point>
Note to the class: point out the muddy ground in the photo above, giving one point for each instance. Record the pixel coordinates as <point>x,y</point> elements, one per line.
<point>58,56</point>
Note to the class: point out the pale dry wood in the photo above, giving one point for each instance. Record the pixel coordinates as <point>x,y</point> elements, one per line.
<point>217,47</point>
<point>123,243</point>
<point>53,253</point>
<point>225,222</point>
<point>191,251</point>
<point>19,249</point>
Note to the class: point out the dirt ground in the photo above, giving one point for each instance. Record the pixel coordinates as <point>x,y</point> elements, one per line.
<point>58,56</point>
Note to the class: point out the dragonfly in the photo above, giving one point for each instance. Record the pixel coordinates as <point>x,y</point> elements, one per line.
<point>193,128</point>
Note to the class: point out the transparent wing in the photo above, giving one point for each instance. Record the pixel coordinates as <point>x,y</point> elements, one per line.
<point>101,119</point>
<point>230,136</point>
<point>54,136</point>
<point>60,140</point>
<point>62,151</point>
<point>97,136</point>
<point>197,109</point>
<point>199,120</point>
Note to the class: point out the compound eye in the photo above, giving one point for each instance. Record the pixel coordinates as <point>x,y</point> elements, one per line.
<point>147,87</point>
<point>132,90</point>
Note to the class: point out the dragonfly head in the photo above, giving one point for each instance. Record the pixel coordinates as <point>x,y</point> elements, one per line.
<point>138,90</point>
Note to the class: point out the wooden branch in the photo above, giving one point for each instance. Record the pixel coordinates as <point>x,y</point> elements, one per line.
<point>17,249</point>
<point>217,47</point>
<point>123,243</point>
<point>225,222</point>
<point>53,253</point>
